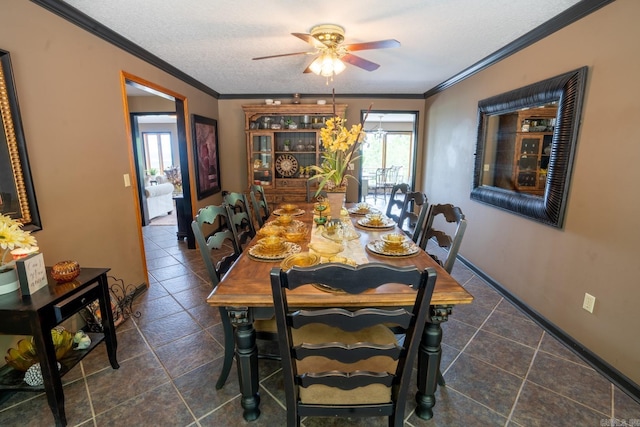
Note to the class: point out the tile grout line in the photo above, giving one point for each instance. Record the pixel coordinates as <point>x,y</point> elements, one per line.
<point>524,380</point>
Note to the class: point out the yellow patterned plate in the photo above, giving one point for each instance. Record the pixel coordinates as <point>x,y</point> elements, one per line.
<point>386,224</point>
<point>407,248</point>
<point>302,259</point>
<point>293,224</point>
<point>362,212</point>
<point>259,253</point>
<point>297,212</point>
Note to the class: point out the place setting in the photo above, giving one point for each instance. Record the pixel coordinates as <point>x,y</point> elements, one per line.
<point>362,209</point>
<point>376,221</point>
<point>393,245</point>
<point>288,209</point>
<point>273,248</point>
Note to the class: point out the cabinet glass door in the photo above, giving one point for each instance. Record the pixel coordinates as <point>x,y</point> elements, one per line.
<point>262,159</point>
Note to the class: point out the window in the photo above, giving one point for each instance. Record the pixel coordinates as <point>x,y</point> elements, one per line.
<point>389,149</point>
<point>157,148</point>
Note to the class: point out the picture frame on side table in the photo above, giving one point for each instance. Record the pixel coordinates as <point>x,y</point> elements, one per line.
<point>17,196</point>
<point>207,160</point>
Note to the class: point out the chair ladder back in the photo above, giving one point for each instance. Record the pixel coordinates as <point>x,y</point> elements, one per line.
<point>240,216</point>
<point>215,215</point>
<point>259,204</point>
<point>397,198</point>
<point>419,229</point>
<point>450,242</point>
<point>343,345</point>
<point>413,198</point>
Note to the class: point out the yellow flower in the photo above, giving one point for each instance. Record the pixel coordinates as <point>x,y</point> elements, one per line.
<point>340,144</point>
<point>13,236</point>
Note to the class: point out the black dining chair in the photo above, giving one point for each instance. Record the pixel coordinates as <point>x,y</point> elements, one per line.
<point>259,203</point>
<point>240,216</point>
<point>349,363</point>
<point>219,248</point>
<point>396,201</point>
<point>451,218</point>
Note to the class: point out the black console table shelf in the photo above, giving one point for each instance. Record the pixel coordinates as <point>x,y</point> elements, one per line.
<point>38,314</point>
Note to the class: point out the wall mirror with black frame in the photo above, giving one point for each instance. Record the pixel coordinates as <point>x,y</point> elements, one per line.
<point>525,148</point>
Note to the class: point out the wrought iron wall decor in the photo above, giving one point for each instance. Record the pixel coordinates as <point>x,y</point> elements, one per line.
<point>17,196</point>
<point>567,90</point>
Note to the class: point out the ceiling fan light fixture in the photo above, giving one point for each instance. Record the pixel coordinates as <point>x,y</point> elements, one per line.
<point>327,64</point>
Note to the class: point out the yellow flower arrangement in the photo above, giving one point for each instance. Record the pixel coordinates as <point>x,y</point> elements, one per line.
<point>12,236</point>
<point>340,145</point>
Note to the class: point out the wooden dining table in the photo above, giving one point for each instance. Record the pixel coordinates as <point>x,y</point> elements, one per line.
<point>245,291</point>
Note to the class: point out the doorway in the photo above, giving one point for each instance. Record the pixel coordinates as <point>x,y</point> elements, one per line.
<point>145,99</point>
<point>390,148</point>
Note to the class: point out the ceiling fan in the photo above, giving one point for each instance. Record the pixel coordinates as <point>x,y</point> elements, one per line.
<point>327,41</point>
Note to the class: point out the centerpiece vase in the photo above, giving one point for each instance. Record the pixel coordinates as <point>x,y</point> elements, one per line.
<point>335,198</point>
<point>8,281</point>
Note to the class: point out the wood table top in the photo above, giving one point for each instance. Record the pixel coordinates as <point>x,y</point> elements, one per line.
<point>247,283</point>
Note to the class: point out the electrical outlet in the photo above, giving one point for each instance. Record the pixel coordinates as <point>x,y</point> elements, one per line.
<point>589,302</point>
<point>127,180</point>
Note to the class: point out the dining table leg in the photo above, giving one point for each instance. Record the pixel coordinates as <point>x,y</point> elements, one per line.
<point>429,356</point>
<point>247,361</point>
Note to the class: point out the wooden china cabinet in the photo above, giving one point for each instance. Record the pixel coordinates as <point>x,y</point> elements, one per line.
<point>524,149</point>
<point>282,142</point>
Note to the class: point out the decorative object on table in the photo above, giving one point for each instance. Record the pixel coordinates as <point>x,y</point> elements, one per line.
<point>326,249</point>
<point>81,341</point>
<point>394,240</point>
<point>383,224</point>
<point>32,273</point>
<point>33,376</point>
<point>25,355</point>
<point>258,251</point>
<point>405,249</point>
<point>296,98</point>
<point>207,161</point>
<point>280,212</point>
<point>17,198</point>
<point>340,146</point>
<point>65,271</point>
<point>302,259</point>
<point>289,208</point>
<point>12,236</point>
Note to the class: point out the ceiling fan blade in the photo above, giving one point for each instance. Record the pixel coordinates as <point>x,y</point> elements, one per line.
<point>360,62</point>
<point>380,44</point>
<point>285,54</point>
<point>309,39</point>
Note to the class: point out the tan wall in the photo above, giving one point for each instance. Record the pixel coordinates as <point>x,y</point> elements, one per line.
<point>72,108</point>
<point>597,251</point>
<point>232,136</point>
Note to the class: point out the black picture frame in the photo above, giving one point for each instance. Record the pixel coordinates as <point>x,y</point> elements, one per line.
<point>207,159</point>
<point>568,90</point>
<point>17,196</point>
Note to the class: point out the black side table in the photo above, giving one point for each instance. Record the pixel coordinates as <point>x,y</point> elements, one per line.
<point>38,314</point>
<point>184,222</point>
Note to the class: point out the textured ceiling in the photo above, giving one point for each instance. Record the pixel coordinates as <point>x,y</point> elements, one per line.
<point>214,41</point>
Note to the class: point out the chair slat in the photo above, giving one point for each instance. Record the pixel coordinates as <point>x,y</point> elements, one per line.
<point>353,279</point>
<point>346,380</point>
<point>347,353</point>
<point>351,320</point>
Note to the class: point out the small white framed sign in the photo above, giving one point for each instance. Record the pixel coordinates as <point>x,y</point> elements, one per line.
<point>32,273</point>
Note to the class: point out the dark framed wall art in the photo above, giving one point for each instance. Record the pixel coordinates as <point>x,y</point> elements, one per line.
<point>207,160</point>
<point>17,196</point>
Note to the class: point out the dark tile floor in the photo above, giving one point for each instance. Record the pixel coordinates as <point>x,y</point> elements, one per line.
<point>500,367</point>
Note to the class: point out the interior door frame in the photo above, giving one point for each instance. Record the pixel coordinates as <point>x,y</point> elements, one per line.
<point>186,213</point>
<point>414,165</point>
